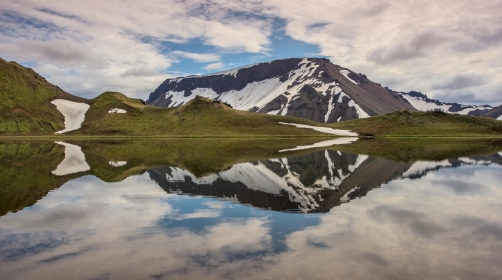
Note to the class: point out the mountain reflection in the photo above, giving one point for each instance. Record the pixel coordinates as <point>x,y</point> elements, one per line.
<point>220,216</point>
<point>316,182</point>
<point>252,172</point>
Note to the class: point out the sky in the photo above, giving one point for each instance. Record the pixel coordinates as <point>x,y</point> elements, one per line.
<point>450,50</point>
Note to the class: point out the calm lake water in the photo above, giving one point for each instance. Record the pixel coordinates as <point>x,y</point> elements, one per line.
<point>230,210</point>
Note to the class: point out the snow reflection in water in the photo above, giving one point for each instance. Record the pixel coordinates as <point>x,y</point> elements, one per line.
<point>402,221</point>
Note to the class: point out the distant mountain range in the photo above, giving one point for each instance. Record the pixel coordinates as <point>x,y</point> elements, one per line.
<point>310,88</point>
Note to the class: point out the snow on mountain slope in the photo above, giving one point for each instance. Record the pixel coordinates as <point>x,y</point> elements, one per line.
<point>310,88</point>
<point>495,113</point>
<point>422,103</point>
<point>73,112</point>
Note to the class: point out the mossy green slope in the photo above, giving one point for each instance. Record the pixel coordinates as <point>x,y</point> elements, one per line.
<point>406,123</point>
<point>25,97</point>
<point>200,117</point>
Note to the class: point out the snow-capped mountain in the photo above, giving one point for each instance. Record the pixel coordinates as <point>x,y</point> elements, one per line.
<point>311,88</point>
<point>495,113</point>
<point>421,102</point>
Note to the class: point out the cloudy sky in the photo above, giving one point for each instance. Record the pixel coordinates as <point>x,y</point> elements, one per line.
<point>448,49</point>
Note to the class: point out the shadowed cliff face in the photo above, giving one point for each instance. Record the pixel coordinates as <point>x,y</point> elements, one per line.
<point>312,88</point>
<point>495,113</point>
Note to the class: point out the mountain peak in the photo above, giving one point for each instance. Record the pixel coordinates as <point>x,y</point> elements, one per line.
<point>279,87</point>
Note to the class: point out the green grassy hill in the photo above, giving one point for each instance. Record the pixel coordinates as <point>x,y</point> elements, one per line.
<point>406,123</point>
<point>25,97</point>
<point>200,117</point>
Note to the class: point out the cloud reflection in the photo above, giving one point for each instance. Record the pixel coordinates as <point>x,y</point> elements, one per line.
<point>407,229</point>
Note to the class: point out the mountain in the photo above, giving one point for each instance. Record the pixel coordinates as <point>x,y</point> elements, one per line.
<point>495,113</point>
<point>310,88</point>
<point>25,102</point>
<point>423,103</point>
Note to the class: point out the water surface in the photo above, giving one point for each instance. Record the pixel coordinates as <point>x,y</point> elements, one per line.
<point>243,210</point>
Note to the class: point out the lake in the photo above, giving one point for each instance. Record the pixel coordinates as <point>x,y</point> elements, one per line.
<point>251,209</point>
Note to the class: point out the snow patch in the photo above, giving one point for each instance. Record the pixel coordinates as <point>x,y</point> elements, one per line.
<point>469,109</point>
<point>117,111</point>
<point>117,163</point>
<point>499,118</point>
<point>73,112</point>
<point>328,143</point>
<point>255,94</point>
<point>73,162</point>
<point>421,104</point>
<point>330,108</point>
<point>346,198</point>
<point>346,74</point>
<point>339,132</point>
<point>360,112</point>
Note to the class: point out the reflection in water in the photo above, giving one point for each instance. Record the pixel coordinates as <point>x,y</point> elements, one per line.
<point>328,143</point>
<point>416,220</point>
<point>302,183</point>
<point>74,161</point>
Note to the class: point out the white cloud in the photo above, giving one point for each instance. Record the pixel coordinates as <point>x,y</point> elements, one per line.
<point>93,46</point>
<point>214,66</point>
<point>199,57</point>
<point>404,45</point>
<point>87,47</point>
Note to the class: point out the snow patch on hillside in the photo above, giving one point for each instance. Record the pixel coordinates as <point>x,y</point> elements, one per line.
<point>117,111</point>
<point>423,105</point>
<point>117,163</point>
<point>360,112</point>
<point>73,112</point>
<point>255,94</point>
<point>471,108</point>
<point>73,162</point>
<point>499,118</point>
<point>339,132</point>
<point>346,74</point>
